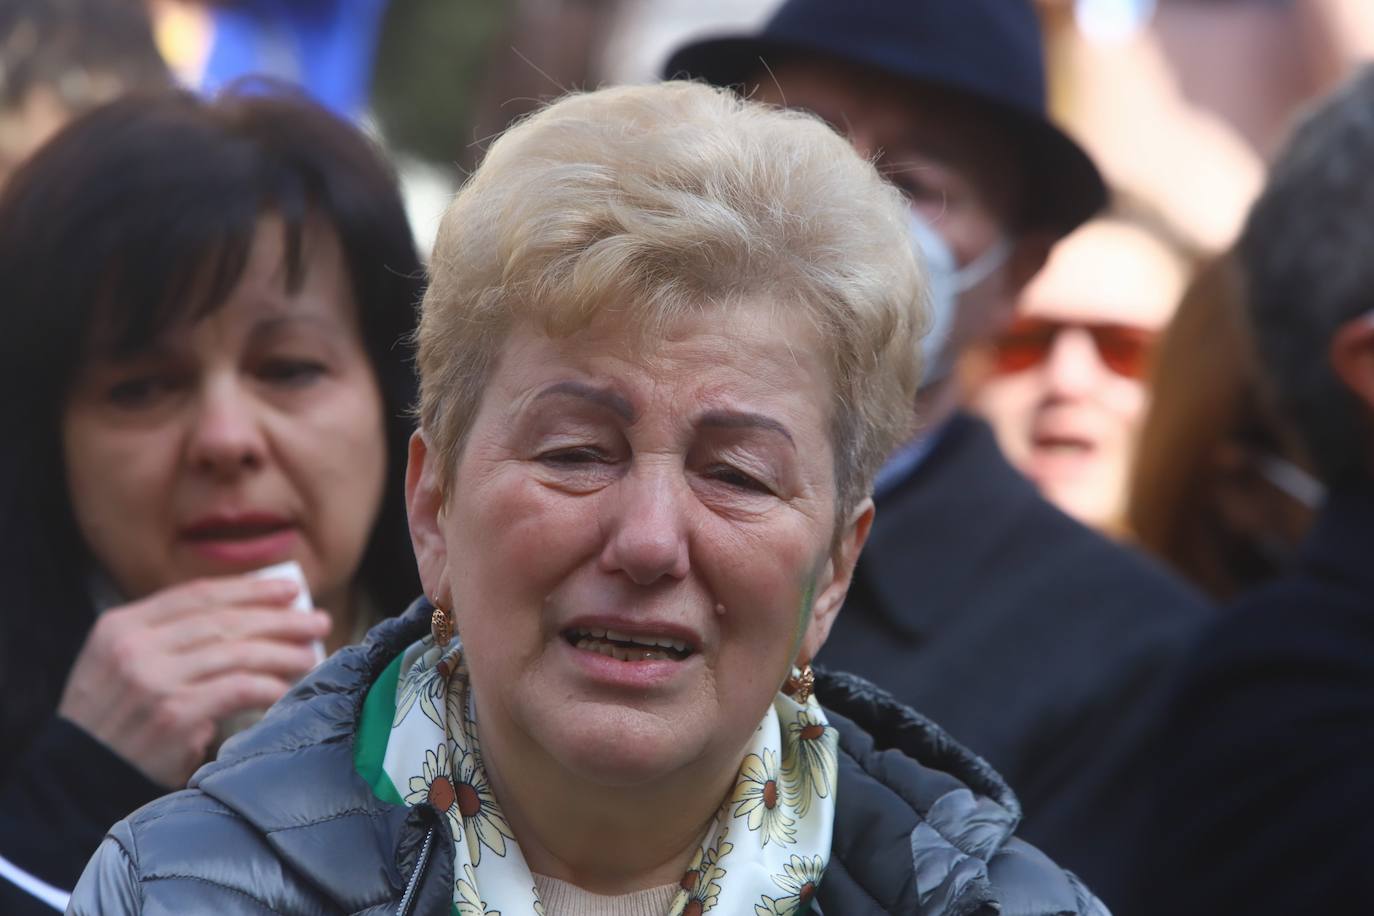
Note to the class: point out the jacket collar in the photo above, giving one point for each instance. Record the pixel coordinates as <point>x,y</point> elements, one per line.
<point>309,735</point>
<point>904,783</point>
<point>919,816</point>
<point>963,482</point>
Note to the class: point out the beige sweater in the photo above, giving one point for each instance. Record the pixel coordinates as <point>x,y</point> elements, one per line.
<point>563,899</point>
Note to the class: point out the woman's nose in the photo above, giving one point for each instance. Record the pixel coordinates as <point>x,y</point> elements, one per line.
<point>647,536</point>
<point>226,436</point>
<point>1073,365</point>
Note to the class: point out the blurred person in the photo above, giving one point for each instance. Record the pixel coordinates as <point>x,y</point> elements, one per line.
<point>202,375</point>
<point>668,338</point>
<point>1057,637</point>
<point>1066,389</point>
<point>1263,802</point>
<point>1350,23</point>
<point>1222,489</point>
<point>1116,85</point>
<point>1252,63</point>
<point>59,58</point>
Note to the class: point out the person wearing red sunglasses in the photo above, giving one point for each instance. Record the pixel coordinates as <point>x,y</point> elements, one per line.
<point>1065,385</point>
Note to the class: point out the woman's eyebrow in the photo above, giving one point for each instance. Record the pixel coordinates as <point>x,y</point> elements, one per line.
<point>743,419</point>
<point>327,329</point>
<point>602,397</point>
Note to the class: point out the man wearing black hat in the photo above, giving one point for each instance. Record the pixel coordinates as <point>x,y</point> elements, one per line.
<point>1036,642</point>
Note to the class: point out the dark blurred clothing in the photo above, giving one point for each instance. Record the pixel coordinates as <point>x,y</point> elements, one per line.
<point>1265,802</point>
<point>57,799</point>
<point>1034,641</point>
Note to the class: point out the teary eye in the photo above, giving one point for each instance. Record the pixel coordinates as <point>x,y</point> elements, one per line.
<point>571,456</point>
<point>736,478</point>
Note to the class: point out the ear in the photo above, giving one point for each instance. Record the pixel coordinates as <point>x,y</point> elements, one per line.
<point>1352,358</point>
<point>1029,253</point>
<point>833,583</point>
<point>424,510</point>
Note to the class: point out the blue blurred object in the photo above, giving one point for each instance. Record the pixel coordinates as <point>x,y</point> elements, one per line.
<point>1112,20</point>
<point>324,46</point>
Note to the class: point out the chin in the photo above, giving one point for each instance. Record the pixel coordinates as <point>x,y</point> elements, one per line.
<point>1089,506</point>
<point>620,746</point>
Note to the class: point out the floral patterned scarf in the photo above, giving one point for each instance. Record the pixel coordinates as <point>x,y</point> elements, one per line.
<point>764,852</point>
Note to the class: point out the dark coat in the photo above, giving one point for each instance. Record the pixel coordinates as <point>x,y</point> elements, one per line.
<point>1265,802</point>
<point>1037,643</point>
<point>282,822</point>
<point>58,796</point>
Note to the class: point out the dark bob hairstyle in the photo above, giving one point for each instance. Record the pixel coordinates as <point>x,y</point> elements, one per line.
<point>137,216</point>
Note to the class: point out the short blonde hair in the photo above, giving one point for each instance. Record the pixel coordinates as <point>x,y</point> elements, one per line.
<point>660,201</point>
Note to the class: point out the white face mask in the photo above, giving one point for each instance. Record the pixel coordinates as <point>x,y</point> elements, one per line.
<point>947,281</point>
<point>1299,485</point>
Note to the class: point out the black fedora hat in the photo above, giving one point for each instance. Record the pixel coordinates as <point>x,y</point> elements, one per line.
<point>988,50</point>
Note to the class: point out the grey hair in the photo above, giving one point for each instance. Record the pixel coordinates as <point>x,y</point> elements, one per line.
<point>659,201</point>
<point>1307,253</point>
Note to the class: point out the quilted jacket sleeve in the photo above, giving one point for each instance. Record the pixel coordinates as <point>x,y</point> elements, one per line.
<point>1088,904</point>
<point>1030,884</point>
<point>109,885</point>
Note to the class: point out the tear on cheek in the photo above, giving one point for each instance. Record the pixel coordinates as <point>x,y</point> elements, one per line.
<point>804,614</point>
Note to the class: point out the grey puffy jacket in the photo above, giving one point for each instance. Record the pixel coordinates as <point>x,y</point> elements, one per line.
<point>282,823</point>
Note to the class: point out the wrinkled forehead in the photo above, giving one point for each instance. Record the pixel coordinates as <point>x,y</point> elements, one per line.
<point>748,360</point>
<point>758,331</point>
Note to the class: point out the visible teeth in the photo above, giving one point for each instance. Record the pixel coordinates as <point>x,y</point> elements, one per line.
<point>676,645</point>
<point>626,647</point>
<point>621,653</point>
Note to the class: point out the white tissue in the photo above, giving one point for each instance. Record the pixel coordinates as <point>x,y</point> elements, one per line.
<point>291,571</point>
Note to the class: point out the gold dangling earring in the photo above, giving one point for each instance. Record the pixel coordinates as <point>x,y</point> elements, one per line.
<point>800,685</point>
<point>441,624</point>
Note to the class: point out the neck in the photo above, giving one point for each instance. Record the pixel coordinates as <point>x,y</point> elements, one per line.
<point>595,836</point>
<point>343,608</point>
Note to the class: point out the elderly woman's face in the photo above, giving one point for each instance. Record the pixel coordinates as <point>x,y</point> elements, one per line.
<point>639,538</point>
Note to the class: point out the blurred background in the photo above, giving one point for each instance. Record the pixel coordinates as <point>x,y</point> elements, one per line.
<point>1181,103</point>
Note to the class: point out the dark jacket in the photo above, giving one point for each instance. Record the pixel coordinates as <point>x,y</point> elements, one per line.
<point>282,822</point>
<point>1265,802</point>
<point>1036,642</point>
<point>58,795</point>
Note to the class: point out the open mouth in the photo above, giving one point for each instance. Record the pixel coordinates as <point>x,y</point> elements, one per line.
<point>236,531</point>
<point>1061,445</point>
<point>626,647</point>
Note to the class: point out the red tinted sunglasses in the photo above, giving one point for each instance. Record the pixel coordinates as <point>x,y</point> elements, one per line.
<point>1123,349</point>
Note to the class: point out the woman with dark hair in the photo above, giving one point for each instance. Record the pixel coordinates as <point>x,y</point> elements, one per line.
<point>1222,490</point>
<point>204,373</point>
